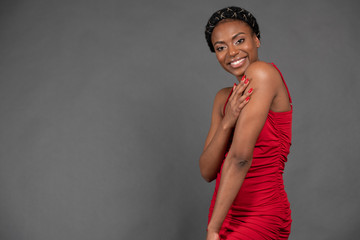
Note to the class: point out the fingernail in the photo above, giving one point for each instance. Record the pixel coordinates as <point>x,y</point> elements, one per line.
<point>242,79</point>
<point>246,81</point>
<point>247,99</point>
<point>234,85</point>
<point>250,90</point>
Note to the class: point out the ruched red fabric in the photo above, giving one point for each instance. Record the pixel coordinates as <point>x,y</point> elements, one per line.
<point>261,209</point>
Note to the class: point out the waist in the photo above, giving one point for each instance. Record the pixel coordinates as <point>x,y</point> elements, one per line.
<point>261,202</point>
<point>259,186</point>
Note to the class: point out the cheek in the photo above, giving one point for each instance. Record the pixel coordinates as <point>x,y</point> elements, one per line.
<point>249,47</point>
<point>220,57</point>
<point>252,48</point>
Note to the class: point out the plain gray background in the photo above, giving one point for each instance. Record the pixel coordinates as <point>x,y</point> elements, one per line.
<point>105,107</point>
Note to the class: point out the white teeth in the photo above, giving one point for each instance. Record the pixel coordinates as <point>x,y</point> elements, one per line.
<point>237,61</point>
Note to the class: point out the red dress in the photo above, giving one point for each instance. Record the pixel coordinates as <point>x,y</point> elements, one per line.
<point>261,209</point>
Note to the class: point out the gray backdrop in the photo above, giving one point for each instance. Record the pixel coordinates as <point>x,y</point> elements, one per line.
<point>105,107</point>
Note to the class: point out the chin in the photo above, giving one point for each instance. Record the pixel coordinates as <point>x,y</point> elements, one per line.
<point>237,72</point>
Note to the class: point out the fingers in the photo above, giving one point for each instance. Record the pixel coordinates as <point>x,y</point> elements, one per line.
<point>244,99</point>
<point>240,96</point>
<point>242,85</point>
<point>240,88</point>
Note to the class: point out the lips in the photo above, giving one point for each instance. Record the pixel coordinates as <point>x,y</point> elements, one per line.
<point>237,62</point>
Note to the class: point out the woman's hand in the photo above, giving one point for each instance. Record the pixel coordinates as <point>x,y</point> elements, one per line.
<point>237,101</point>
<point>211,235</point>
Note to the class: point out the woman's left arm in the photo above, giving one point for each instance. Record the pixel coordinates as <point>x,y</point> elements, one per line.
<point>265,82</point>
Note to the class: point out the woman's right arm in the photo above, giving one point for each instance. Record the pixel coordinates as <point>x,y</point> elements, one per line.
<point>221,128</point>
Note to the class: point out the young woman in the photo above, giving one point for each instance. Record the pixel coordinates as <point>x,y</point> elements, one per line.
<point>249,140</point>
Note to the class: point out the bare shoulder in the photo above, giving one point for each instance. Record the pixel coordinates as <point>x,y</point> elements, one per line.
<point>224,92</point>
<point>222,95</point>
<point>264,72</point>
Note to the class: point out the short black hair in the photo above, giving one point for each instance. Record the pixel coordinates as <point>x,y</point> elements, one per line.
<point>235,13</point>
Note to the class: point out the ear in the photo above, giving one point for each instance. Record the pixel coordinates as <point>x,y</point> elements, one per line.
<point>257,41</point>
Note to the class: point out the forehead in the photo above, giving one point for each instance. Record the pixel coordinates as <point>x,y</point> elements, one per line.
<point>227,28</point>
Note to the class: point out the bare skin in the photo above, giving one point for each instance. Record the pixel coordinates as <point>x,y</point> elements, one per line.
<point>221,128</point>
<point>236,50</point>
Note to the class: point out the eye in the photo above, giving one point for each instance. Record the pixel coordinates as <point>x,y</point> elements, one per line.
<point>241,40</point>
<point>219,49</point>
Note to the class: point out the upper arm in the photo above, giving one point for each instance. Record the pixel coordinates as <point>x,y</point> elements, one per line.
<point>216,115</point>
<point>264,80</point>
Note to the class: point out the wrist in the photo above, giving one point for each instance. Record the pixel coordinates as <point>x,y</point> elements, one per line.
<point>226,126</point>
<point>212,228</point>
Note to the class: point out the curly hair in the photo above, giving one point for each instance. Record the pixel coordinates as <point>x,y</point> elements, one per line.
<point>230,13</point>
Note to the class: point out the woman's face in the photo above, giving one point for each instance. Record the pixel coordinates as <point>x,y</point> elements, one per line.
<point>236,46</point>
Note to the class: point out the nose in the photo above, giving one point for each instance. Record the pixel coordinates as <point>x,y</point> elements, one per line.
<point>233,51</point>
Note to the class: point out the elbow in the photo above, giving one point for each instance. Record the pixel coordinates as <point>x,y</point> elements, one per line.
<point>208,179</point>
<point>242,162</point>
<point>207,176</point>
<point>207,173</point>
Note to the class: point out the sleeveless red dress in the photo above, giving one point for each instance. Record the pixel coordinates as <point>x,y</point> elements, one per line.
<point>261,209</point>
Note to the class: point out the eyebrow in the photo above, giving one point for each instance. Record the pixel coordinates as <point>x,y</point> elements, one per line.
<point>236,35</point>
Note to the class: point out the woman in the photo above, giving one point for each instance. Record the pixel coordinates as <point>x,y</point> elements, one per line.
<point>249,140</point>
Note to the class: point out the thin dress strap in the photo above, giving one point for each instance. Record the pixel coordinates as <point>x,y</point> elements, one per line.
<point>283,82</point>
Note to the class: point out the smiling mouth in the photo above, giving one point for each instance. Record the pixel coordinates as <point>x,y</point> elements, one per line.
<point>237,62</point>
